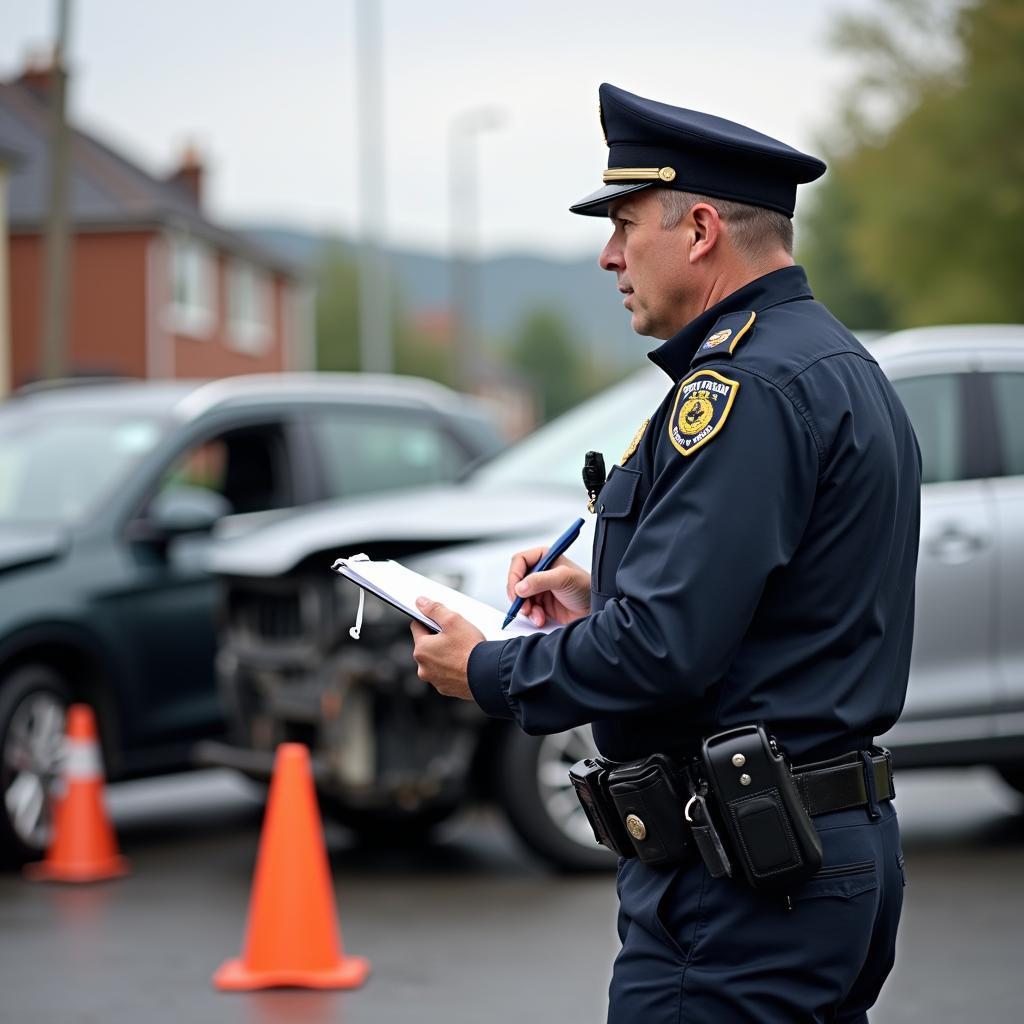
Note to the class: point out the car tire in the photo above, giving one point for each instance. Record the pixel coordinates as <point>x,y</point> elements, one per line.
<point>532,784</point>
<point>1013,775</point>
<point>33,707</point>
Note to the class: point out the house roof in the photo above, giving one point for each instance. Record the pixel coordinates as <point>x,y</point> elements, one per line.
<point>105,190</point>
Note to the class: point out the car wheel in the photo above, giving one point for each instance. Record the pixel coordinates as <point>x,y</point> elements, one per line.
<point>1013,775</point>
<point>533,786</point>
<point>33,707</point>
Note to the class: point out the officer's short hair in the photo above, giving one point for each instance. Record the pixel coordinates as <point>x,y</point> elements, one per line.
<point>751,228</point>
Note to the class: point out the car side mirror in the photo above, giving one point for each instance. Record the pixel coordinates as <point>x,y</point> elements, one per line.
<point>182,509</point>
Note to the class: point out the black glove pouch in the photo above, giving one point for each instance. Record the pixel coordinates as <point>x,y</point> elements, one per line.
<point>648,802</point>
<point>771,834</point>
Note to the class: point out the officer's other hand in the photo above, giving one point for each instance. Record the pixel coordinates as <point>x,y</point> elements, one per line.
<point>560,594</point>
<point>443,658</point>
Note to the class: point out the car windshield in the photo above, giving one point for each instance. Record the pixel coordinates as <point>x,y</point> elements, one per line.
<point>553,455</point>
<point>55,464</point>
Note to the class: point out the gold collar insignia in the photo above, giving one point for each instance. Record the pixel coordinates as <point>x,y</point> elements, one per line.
<point>634,444</point>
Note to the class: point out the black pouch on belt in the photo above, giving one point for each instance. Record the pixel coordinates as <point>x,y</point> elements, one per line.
<point>590,778</point>
<point>771,834</point>
<point>648,802</point>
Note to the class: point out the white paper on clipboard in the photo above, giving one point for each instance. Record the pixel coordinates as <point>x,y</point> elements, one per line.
<point>393,583</point>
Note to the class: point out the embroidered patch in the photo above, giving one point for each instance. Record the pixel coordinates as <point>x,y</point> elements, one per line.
<point>702,406</point>
<point>731,328</point>
<point>634,444</point>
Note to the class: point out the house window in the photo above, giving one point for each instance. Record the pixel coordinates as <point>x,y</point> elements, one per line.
<point>250,312</point>
<point>193,287</point>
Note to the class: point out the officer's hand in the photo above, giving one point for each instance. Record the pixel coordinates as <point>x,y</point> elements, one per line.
<point>560,594</point>
<point>443,657</point>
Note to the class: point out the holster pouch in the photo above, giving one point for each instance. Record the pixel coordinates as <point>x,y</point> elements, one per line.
<point>648,802</point>
<point>589,778</point>
<point>771,834</point>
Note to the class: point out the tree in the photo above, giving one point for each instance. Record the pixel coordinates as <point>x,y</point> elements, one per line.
<point>337,310</point>
<point>337,323</point>
<point>924,215</point>
<point>545,352</point>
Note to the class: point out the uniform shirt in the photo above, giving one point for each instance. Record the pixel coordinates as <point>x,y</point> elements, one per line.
<point>754,558</point>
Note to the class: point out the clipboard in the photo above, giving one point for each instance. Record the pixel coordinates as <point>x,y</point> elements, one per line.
<point>398,586</point>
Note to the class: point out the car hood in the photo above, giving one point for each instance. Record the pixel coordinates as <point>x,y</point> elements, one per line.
<point>480,569</point>
<point>24,545</point>
<point>423,518</point>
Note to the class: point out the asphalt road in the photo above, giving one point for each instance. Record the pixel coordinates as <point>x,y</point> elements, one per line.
<point>470,930</point>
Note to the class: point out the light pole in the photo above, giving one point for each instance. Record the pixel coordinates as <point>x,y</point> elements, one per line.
<point>375,341</point>
<point>464,203</point>
<point>55,291</point>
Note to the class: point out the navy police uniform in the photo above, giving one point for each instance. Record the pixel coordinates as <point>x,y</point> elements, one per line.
<point>754,561</point>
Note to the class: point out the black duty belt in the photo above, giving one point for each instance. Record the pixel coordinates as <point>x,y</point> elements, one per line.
<point>738,804</point>
<point>840,783</point>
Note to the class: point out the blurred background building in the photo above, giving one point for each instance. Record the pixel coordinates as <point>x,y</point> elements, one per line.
<point>156,288</point>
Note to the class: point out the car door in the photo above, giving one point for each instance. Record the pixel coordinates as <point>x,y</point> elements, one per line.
<point>1008,501</point>
<point>166,611</point>
<point>952,672</point>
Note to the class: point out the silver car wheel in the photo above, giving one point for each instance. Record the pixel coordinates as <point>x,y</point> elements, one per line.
<point>32,761</point>
<point>556,756</point>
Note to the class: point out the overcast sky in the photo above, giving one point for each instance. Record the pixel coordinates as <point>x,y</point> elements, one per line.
<point>267,90</point>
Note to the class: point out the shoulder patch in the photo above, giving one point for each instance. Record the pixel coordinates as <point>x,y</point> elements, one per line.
<point>728,332</point>
<point>702,405</point>
<point>635,443</point>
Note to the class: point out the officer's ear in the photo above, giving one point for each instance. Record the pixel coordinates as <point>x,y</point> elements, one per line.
<point>705,226</point>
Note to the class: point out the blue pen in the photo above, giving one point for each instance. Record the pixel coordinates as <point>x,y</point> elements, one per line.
<point>556,550</point>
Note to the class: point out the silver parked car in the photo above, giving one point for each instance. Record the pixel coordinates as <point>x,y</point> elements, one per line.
<point>400,754</point>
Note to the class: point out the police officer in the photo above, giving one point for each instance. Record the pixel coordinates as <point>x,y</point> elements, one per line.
<point>754,562</point>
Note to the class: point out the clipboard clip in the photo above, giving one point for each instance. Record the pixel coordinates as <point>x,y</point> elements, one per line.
<point>355,630</point>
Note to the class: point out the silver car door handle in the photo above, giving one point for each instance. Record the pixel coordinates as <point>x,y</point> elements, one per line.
<point>954,545</point>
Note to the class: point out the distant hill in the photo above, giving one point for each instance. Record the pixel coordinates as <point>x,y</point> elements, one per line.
<point>510,287</point>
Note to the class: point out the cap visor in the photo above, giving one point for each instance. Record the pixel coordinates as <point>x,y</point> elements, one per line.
<point>596,204</point>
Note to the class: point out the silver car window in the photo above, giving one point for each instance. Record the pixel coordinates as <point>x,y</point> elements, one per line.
<point>1008,391</point>
<point>935,407</point>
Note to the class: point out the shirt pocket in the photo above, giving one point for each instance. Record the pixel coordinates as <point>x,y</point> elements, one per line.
<point>616,524</point>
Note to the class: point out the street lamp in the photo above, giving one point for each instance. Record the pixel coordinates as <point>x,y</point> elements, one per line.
<point>463,184</point>
<point>376,349</point>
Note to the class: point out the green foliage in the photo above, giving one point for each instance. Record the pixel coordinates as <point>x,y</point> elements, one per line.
<point>546,354</point>
<point>923,218</point>
<point>826,249</point>
<point>337,311</point>
<point>337,323</point>
<point>543,352</point>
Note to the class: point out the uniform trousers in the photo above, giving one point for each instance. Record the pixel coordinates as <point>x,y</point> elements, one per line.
<point>699,950</point>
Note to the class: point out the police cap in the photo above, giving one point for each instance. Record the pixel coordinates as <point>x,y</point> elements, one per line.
<point>651,143</point>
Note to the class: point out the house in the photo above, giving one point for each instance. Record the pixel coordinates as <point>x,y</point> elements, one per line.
<point>8,159</point>
<point>156,289</point>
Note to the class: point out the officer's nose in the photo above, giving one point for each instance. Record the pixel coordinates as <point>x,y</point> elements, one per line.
<point>611,257</point>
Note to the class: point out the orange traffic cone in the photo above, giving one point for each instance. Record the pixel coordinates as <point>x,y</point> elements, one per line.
<point>292,935</point>
<point>84,847</point>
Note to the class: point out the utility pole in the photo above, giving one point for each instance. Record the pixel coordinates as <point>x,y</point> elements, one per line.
<point>56,289</point>
<point>464,208</point>
<point>375,328</point>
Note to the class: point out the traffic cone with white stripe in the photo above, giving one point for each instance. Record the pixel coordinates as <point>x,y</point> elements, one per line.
<point>84,847</point>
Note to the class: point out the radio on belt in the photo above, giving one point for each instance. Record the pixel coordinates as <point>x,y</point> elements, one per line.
<point>771,834</point>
